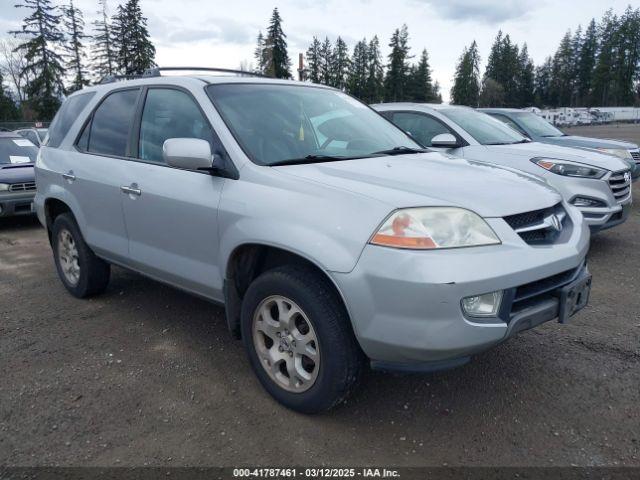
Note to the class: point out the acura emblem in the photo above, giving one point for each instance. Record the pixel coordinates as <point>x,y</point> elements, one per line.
<point>555,222</point>
<point>627,177</point>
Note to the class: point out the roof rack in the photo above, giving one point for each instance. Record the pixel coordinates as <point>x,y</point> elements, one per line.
<point>156,72</point>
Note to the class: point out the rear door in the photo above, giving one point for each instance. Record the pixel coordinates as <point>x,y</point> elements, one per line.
<point>171,216</point>
<point>98,170</point>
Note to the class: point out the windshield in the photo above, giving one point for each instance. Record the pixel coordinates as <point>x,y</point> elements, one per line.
<point>17,150</point>
<point>537,126</point>
<point>484,128</point>
<point>277,123</point>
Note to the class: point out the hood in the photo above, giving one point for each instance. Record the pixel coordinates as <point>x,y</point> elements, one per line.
<point>433,179</point>
<point>586,142</point>
<point>17,174</point>
<point>531,150</point>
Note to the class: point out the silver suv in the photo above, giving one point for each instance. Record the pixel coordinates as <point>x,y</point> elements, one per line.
<point>331,237</point>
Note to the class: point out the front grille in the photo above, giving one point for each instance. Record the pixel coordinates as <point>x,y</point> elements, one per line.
<point>22,187</point>
<point>636,155</point>
<point>532,293</point>
<point>620,183</point>
<point>540,227</point>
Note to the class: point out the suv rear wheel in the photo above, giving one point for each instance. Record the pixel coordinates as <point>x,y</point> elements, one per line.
<point>299,339</point>
<point>82,273</point>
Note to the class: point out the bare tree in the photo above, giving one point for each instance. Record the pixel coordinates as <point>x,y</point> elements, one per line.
<point>12,64</point>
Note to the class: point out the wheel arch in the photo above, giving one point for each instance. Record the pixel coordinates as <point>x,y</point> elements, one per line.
<point>247,261</point>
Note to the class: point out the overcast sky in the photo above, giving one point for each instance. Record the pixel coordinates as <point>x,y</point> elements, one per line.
<point>222,33</point>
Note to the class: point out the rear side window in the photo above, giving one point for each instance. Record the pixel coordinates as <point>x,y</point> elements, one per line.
<point>108,131</point>
<point>65,117</point>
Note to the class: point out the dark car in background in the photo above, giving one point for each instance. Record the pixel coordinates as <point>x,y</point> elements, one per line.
<point>17,182</point>
<point>539,130</point>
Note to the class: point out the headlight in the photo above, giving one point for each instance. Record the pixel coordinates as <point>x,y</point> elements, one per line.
<point>4,187</point>
<point>434,227</point>
<point>617,152</point>
<point>569,169</point>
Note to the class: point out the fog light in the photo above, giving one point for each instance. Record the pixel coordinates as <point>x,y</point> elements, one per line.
<point>587,202</point>
<point>486,305</point>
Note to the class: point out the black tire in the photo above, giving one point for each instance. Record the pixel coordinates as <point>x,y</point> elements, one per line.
<point>94,272</point>
<point>341,359</point>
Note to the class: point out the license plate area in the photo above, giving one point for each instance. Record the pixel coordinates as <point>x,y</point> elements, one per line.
<point>574,297</point>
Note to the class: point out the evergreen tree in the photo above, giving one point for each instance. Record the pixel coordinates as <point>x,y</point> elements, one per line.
<point>340,65</point>
<point>395,82</point>
<point>627,58</point>
<point>562,81</point>
<point>602,80</point>
<point>326,54</point>
<point>542,89</point>
<point>374,88</point>
<point>419,85</point>
<point>260,54</point>
<point>525,79</point>
<point>359,69</point>
<point>120,40</point>
<point>492,94</point>
<point>8,109</point>
<point>103,57</point>
<point>466,82</point>
<point>495,58</point>
<point>314,60</point>
<point>74,48</point>
<point>44,64</point>
<point>585,64</point>
<point>503,68</point>
<point>139,52</point>
<point>278,64</point>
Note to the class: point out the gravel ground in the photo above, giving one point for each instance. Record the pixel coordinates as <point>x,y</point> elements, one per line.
<point>147,375</point>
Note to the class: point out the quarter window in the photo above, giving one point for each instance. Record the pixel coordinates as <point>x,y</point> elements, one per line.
<point>169,113</point>
<point>108,132</point>
<point>65,117</point>
<point>421,127</point>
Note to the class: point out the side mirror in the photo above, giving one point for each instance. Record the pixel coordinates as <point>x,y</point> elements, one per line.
<point>444,140</point>
<point>188,153</point>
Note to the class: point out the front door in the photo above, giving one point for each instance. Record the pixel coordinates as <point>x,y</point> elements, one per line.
<point>171,214</point>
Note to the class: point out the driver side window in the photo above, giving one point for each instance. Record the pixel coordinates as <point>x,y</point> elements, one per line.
<point>422,128</point>
<point>169,113</point>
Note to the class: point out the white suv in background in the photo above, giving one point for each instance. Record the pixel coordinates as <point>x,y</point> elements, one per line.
<point>599,185</point>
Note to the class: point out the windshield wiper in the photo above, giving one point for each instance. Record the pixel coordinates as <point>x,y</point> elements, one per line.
<point>311,159</point>
<point>402,150</point>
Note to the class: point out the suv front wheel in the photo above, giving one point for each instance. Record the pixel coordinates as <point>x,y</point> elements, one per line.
<point>299,339</point>
<point>82,273</point>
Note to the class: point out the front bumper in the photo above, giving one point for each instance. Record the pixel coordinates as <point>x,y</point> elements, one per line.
<point>405,305</point>
<point>12,204</point>
<point>613,212</point>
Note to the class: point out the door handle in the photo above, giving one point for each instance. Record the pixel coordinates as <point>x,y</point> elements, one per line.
<point>131,190</point>
<point>69,176</point>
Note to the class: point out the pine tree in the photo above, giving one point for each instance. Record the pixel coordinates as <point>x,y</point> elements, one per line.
<point>420,85</point>
<point>312,55</point>
<point>359,69</point>
<point>525,79</point>
<point>466,83</point>
<point>278,62</point>
<point>120,40</point>
<point>340,65</point>
<point>492,94</point>
<point>495,58</point>
<point>602,80</point>
<point>627,58</point>
<point>44,64</point>
<point>103,55</point>
<point>8,109</point>
<point>395,82</point>
<point>585,64</point>
<point>374,89</point>
<point>542,82</point>
<point>259,54</point>
<point>562,81</point>
<point>503,69</point>
<point>74,47</point>
<point>326,54</point>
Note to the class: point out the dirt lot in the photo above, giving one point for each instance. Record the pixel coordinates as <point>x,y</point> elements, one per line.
<point>146,375</point>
